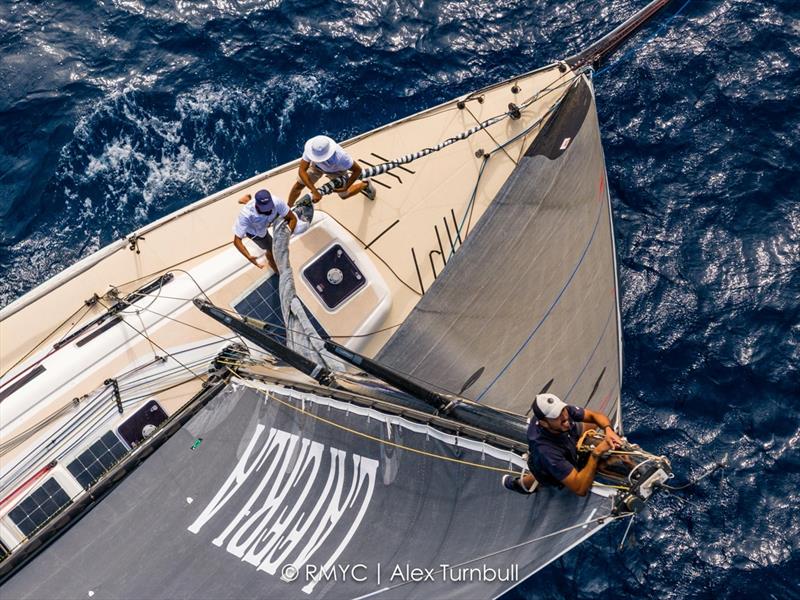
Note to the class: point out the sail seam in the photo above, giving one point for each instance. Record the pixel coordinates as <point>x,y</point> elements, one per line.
<point>549,310</point>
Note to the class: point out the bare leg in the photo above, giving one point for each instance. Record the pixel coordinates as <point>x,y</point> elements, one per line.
<point>271,261</point>
<point>295,192</point>
<point>527,480</point>
<point>354,189</point>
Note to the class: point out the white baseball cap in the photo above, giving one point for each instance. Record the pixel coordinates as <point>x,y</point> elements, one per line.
<point>320,148</point>
<point>547,406</point>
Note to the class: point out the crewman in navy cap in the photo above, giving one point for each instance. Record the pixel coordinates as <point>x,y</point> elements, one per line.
<point>254,221</point>
<point>553,436</point>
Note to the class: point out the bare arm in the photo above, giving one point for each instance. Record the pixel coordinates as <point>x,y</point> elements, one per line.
<point>579,482</point>
<point>303,173</point>
<point>245,199</point>
<point>355,171</point>
<point>599,419</point>
<point>291,220</point>
<point>237,242</point>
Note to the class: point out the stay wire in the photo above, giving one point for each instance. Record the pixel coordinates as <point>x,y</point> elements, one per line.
<point>200,377</point>
<point>608,517</point>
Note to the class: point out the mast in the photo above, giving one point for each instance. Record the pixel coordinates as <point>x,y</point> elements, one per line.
<point>606,45</point>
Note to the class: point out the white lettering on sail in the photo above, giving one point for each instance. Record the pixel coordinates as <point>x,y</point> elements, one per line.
<point>275,537</point>
<point>367,470</point>
<point>235,480</point>
<point>283,444</point>
<point>301,527</point>
<point>288,516</point>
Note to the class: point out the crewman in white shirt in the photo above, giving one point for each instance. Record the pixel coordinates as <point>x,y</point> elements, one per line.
<point>323,156</point>
<point>254,221</point>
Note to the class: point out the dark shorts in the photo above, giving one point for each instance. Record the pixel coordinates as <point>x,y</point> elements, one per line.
<point>265,243</point>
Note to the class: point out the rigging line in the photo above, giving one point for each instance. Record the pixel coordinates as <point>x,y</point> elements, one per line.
<point>200,377</point>
<point>472,198</point>
<point>657,33</point>
<point>203,292</point>
<point>387,166</point>
<point>511,158</point>
<point>718,465</point>
<point>380,258</point>
<point>274,325</point>
<point>373,438</point>
<point>11,443</point>
<point>146,335</point>
<point>608,517</point>
<point>85,308</point>
<point>169,373</point>
<point>173,319</point>
<point>162,270</point>
<point>23,463</point>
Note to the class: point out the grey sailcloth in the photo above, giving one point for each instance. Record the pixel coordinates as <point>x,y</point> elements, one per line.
<point>530,299</point>
<point>300,333</point>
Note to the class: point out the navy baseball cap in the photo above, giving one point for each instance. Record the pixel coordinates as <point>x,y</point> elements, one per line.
<point>264,201</point>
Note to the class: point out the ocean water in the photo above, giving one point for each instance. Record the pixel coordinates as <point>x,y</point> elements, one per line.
<point>115,113</point>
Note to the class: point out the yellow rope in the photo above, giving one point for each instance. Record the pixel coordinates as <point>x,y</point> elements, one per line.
<point>616,487</point>
<point>387,442</point>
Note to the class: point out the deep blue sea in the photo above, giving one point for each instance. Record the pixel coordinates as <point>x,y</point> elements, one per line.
<point>114,113</point>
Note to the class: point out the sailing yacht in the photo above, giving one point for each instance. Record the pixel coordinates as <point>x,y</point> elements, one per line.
<point>177,423</point>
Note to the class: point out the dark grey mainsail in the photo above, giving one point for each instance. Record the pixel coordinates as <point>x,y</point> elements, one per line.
<point>276,483</point>
<point>293,490</point>
<point>531,296</point>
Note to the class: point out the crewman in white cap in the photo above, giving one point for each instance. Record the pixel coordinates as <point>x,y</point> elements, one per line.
<point>553,436</point>
<point>323,156</point>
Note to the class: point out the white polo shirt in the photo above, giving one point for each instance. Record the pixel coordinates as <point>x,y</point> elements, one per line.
<point>339,161</point>
<point>255,224</point>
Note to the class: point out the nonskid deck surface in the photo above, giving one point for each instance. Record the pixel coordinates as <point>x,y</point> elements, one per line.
<point>263,480</point>
<point>405,236</point>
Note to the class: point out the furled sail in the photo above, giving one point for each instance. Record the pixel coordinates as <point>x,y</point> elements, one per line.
<point>531,296</point>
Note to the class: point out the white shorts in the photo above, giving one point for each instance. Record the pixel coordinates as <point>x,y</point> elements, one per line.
<point>314,173</point>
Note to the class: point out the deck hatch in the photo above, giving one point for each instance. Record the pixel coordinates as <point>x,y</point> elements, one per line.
<point>97,459</point>
<point>334,276</point>
<point>142,423</point>
<point>41,506</point>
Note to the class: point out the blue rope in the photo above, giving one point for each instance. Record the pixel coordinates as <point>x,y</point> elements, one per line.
<point>658,32</point>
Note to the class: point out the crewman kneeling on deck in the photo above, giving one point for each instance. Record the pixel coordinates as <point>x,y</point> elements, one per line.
<point>254,220</point>
<point>323,156</point>
<point>552,447</point>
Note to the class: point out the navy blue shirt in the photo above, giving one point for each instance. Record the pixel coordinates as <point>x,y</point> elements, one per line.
<point>552,456</point>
